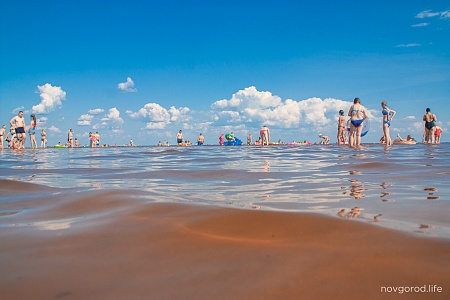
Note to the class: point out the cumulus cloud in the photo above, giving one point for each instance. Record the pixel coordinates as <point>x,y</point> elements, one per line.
<point>408,45</point>
<point>420,25</point>
<point>158,117</point>
<point>51,97</point>
<point>113,116</point>
<point>54,129</point>
<point>127,86</point>
<point>430,14</point>
<point>251,106</point>
<point>96,111</point>
<point>42,121</point>
<point>410,118</point>
<point>85,120</point>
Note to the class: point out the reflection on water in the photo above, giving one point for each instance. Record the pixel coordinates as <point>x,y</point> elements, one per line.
<point>315,178</point>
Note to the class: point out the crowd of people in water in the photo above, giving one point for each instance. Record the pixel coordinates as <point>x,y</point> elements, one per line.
<point>348,132</point>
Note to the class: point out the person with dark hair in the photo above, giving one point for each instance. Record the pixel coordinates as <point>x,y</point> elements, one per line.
<point>430,126</point>
<point>388,115</point>
<point>32,132</point>
<point>18,124</point>
<point>341,128</point>
<point>357,114</point>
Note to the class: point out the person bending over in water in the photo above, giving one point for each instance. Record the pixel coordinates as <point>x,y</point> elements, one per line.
<point>326,140</point>
<point>430,126</point>
<point>357,114</point>
<point>388,115</point>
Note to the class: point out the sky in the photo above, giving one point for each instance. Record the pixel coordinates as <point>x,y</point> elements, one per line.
<point>143,70</point>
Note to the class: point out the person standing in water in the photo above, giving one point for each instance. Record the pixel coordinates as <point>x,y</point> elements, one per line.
<point>180,137</point>
<point>18,123</point>
<point>357,114</point>
<point>265,135</point>
<point>2,136</point>
<point>43,138</point>
<point>200,140</point>
<point>341,128</point>
<point>430,126</point>
<point>388,115</point>
<point>32,132</point>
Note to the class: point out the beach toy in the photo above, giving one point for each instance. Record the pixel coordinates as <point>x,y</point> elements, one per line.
<point>366,127</point>
<point>59,146</point>
<point>235,142</point>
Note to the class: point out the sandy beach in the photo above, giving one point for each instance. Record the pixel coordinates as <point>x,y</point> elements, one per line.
<point>115,245</point>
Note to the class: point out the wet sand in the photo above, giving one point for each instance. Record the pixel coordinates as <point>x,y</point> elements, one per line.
<point>115,245</point>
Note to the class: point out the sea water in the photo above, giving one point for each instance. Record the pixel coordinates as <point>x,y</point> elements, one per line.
<point>403,187</point>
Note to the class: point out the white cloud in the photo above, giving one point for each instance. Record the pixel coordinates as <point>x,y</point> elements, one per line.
<point>42,121</point>
<point>420,25</point>
<point>17,109</point>
<point>127,86</point>
<point>410,118</point>
<point>251,106</point>
<point>51,97</point>
<point>430,14</point>
<point>54,129</point>
<point>408,45</point>
<point>96,111</point>
<point>114,116</point>
<point>158,116</point>
<point>85,120</point>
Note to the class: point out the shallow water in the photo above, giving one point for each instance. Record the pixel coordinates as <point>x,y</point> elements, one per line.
<point>407,184</point>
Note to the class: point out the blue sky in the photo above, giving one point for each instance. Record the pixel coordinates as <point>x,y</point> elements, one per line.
<point>143,70</point>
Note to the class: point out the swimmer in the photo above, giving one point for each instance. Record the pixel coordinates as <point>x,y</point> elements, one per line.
<point>265,135</point>
<point>437,135</point>
<point>32,132</point>
<point>2,135</point>
<point>388,115</point>
<point>430,126</point>
<point>43,138</point>
<point>341,128</point>
<point>357,114</point>
<point>200,140</point>
<point>18,123</point>
<point>326,140</point>
<point>180,137</point>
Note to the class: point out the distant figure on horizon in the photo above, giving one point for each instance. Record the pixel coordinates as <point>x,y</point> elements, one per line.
<point>2,136</point>
<point>32,132</point>
<point>265,135</point>
<point>70,142</point>
<point>388,115</point>
<point>43,138</point>
<point>180,137</point>
<point>249,139</point>
<point>222,139</point>
<point>430,126</point>
<point>357,114</point>
<point>18,123</point>
<point>341,129</point>
<point>200,140</point>
<point>437,135</point>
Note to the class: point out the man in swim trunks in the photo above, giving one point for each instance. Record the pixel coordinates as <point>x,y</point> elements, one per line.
<point>180,137</point>
<point>430,126</point>
<point>200,140</point>
<point>357,114</point>
<point>18,123</point>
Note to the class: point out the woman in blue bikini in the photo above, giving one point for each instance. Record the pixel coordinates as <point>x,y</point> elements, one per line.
<point>357,114</point>
<point>388,115</point>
